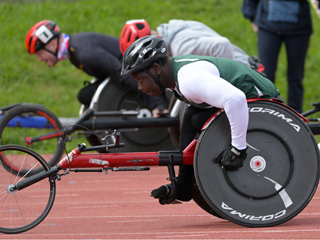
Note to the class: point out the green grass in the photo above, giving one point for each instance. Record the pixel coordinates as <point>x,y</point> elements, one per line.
<point>23,79</point>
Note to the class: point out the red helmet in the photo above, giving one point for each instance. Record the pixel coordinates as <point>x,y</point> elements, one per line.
<point>40,35</point>
<point>133,30</point>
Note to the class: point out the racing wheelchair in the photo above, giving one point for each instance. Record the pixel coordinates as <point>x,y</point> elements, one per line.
<point>36,127</point>
<point>279,177</point>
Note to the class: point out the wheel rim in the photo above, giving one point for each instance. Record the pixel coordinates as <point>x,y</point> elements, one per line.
<point>268,190</point>
<point>24,209</point>
<point>26,123</point>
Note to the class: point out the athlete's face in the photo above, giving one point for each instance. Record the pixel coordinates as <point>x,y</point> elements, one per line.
<point>146,84</point>
<point>47,57</point>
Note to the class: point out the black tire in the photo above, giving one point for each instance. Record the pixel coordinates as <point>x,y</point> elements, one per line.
<point>200,201</point>
<point>279,176</point>
<point>175,137</point>
<point>116,96</point>
<point>31,120</point>
<point>24,209</point>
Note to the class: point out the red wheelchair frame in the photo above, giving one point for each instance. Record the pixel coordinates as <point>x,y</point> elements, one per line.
<point>78,161</point>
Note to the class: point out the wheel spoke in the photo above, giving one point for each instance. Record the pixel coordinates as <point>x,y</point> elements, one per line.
<point>24,159</point>
<point>26,205</point>
<point>28,172</point>
<point>32,197</point>
<point>4,205</point>
<point>19,208</point>
<point>23,209</point>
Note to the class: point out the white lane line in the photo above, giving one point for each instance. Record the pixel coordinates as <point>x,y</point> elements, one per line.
<point>172,233</point>
<point>67,195</point>
<point>104,190</point>
<point>136,192</point>
<point>150,220</point>
<point>308,214</point>
<point>133,216</point>
<point>108,202</point>
<point>152,216</point>
<point>182,236</point>
<point>102,181</point>
<point>86,207</point>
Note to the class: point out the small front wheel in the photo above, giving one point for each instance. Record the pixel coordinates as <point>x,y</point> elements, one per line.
<point>22,210</point>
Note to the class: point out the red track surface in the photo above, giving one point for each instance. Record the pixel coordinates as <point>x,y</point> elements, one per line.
<point>118,206</point>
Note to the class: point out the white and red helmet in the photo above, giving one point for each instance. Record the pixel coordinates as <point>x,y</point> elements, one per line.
<point>40,35</point>
<point>133,30</point>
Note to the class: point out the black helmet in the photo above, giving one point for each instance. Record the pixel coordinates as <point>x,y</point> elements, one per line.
<point>142,53</point>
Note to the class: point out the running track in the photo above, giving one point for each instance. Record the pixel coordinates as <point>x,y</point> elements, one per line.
<point>118,206</point>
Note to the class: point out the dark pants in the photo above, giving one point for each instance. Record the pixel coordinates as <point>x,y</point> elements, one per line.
<point>269,45</point>
<point>193,120</point>
<point>85,95</point>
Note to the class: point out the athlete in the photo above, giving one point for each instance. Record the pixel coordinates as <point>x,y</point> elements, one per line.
<point>187,37</point>
<point>207,84</point>
<point>96,54</point>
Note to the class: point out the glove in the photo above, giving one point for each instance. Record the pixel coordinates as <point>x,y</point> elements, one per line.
<point>162,193</point>
<point>232,158</point>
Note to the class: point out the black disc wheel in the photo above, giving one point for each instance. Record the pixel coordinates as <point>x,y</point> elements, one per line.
<point>22,210</point>
<point>279,176</point>
<point>28,121</point>
<point>200,201</point>
<point>115,97</point>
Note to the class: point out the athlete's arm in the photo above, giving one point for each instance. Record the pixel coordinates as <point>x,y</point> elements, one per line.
<point>102,63</point>
<point>205,46</point>
<point>200,82</point>
<point>214,46</point>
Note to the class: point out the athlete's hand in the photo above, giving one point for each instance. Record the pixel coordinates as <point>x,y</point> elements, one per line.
<point>232,158</point>
<point>156,113</point>
<point>254,27</point>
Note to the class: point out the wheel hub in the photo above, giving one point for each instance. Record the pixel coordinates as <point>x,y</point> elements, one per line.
<point>144,113</point>
<point>257,164</point>
<point>11,189</point>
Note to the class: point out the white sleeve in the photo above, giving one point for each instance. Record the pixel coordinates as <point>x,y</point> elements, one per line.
<point>201,82</point>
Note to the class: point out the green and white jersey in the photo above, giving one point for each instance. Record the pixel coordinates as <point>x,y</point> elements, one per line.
<point>250,82</point>
<point>223,83</point>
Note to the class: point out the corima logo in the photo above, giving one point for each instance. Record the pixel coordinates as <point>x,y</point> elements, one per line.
<point>252,217</point>
<point>277,114</point>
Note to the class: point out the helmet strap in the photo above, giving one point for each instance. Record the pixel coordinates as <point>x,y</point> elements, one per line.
<point>156,78</point>
<point>58,46</point>
<point>54,53</point>
<point>50,52</point>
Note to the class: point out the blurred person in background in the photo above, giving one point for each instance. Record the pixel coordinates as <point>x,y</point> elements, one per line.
<point>187,37</point>
<point>96,54</point>
<point>275,22</point>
